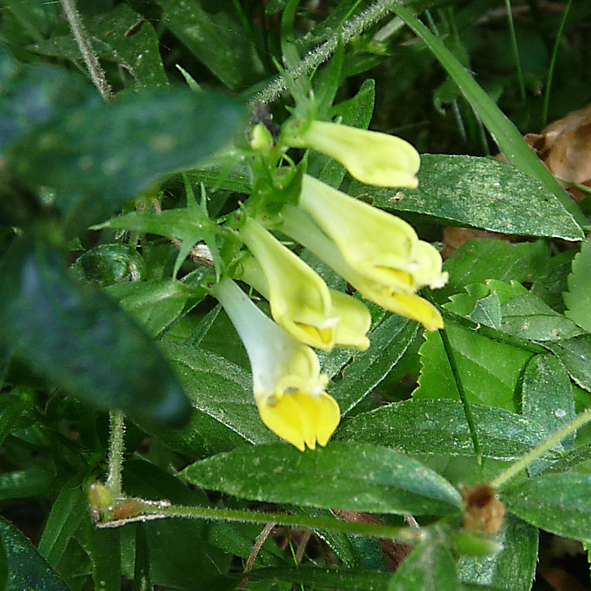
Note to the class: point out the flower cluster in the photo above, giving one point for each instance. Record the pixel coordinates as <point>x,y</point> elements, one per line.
<point>380,255</point>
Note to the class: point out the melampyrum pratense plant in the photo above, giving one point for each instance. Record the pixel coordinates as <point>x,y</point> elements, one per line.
<point>169,251</point>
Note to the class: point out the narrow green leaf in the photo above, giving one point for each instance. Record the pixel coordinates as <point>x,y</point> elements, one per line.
<point>27,569</point>
<point>81,340</point>
<point>514,567</point>
<point>558,503</point>
<point>142,580</point>
<point>121,36</point>
<point>579,287</point>
<point>346,476</point>
<point>480,260</point>
<point>479,193</point>
<point>330,578</point>
<point>3,567</point>
<point>26,483</point>
<point>504,132</point>
<point>429,566</point>
<point>388,344</point>
<point>67,513</point>
<point>438,427</point>
<point>99,156</point>
<point>490,371</point>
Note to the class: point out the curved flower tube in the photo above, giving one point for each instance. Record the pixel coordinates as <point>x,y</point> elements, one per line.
<point>298,225</point>
<point>300,300</point>
<point>371,157</point>
<point>288,386</point>
<point>354,317</point>
<point>377,245</point>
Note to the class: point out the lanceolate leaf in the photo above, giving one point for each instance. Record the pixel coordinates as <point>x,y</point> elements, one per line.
<point>558,503</point>
<point>81,340</point>
<point>99,156</point>
<point>480,193</point>
<point>27,569</point>
<point>439,427</point>
<point>343,475</point>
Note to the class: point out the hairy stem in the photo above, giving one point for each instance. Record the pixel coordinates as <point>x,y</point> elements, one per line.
<point>95,70</point>
<point>116,450</point>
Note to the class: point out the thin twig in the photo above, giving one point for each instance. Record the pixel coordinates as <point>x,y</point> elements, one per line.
<point>95,69</point>
<point>258,544</point>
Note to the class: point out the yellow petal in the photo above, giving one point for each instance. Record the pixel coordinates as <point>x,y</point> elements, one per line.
<point>300,418</point>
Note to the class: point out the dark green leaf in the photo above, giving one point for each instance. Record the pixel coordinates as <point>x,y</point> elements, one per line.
<point>142,580</point>
<point>103,548</point>
<point>154,304</point>
<point>346,476</point>
<point>480,193</point>
<point>99,156</point>
<point>3,567</point>
<point>429,566</point>
<point>576,355</point>
<point>67,513</point>
<point>331,578</point>
<point>576,460</point>
<point>439,427</point>
<point>108,264</point>
<point>82,340</point>
<point>558,503</point>
<point>388,343</point>
<point>122,36</point>
<point>27,569</point>
<point>217,38</point>
<point>579,286</point>
<point>490,370</point>
<point>22,484</point>
<point>514,567</point>
<point>479,260</point>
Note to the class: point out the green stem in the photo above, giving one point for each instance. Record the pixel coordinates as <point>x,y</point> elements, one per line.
<point>460,386</point>
<point>116,450</point>
<point>541,449</point>
<point>320,54</point>
<point>515,48</point>
<point>95,70</point>
<point>408,535</point>
<point>553,63</point>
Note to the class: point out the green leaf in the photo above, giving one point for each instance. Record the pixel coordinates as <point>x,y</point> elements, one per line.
<point>478,260</point>
<point>155,304</point>
<point>439,427</point>
<point>142,580</point>
<point>217,38</point>
<point>104,551</point>
<point>429,566</point>
<point>579,287</point>
<point>504,132</point>
<point>108,264</point>
<point>345,476</point>
<point>99,156</point>
<point>388,343</point>
<point>575,354</point>
<point>547,395</point>
<point>558,503</point>
<point>490,371</point>
<point>27,569</point>
<point>479,193</point>
<point>224,413</point>
<point>121,36</point>
<point>330,578</point>
<point>514,567</point>
<point>527,316</point>
<point>66,515</point>
<point>81,340</point>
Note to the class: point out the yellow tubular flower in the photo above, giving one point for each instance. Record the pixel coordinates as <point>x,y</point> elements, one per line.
<point>300,300</point>
<point>298,225</point>
<point>354,317</point>
<point>371,157</point>
<point>377,245</point>
<point>288,387</point>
